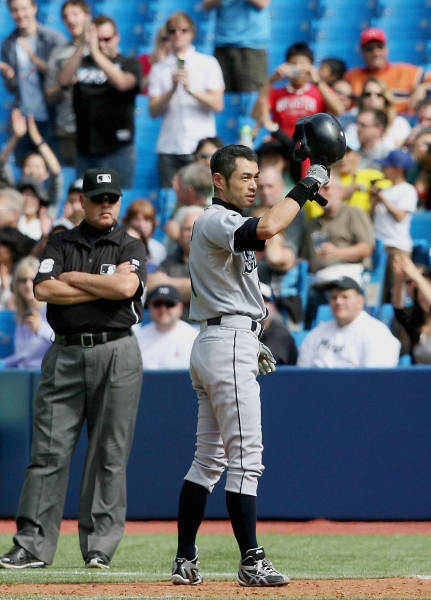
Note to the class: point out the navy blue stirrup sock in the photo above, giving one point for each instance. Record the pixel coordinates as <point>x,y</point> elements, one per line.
<point>242,512</point>
<point>191,510</point>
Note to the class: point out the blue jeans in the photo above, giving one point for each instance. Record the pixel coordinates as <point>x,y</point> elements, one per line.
<point>122,160</point>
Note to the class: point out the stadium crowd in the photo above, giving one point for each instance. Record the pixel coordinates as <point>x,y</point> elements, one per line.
<point>74,106</point>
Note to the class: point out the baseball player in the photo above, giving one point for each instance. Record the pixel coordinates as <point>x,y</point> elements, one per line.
<point>227,355</point>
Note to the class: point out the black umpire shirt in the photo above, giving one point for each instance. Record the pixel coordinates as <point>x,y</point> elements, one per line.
<point>90,250</point>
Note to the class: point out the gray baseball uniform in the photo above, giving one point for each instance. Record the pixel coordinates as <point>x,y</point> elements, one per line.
<point>227,301</point>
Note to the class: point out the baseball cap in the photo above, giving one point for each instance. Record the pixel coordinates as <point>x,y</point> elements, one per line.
<point>76,186</point>
<point>101,180</point>
<point>344,283</point>
<point>165,292</point>
<point>373,34</point>
<point>28,181</point>
<point>397,158</point>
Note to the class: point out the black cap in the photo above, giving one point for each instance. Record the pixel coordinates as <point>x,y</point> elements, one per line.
<point>165,292</point>
<point>28,181</point>
<point>101,180</point>
<point>344,283</point>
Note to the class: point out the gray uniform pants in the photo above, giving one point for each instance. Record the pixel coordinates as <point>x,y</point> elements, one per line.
<point>102,386</point>
<point>223,368</point>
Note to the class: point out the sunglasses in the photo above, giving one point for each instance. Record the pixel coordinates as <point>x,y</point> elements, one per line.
<point>204,155</point>
<point>101,198</point>
<point>180,29</point>
<point>159,303</point>
<point>368,94</point>
<point>372,46</point>
<point>106,39</point>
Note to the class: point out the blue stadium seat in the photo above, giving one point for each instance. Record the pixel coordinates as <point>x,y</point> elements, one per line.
<point>421,252</point>
<point>324,313</point>
<point>385,313</point>
<point>374,278</point>
<point>299,336</point>
<point>420,226</point>
<point>7,330</point>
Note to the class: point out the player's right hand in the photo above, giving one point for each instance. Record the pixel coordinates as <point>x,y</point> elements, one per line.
<point>319,173</point>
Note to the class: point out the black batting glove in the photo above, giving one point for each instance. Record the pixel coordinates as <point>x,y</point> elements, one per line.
<point>308,188</point>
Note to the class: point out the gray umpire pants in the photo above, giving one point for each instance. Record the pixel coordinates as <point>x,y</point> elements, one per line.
<point>102,386</point>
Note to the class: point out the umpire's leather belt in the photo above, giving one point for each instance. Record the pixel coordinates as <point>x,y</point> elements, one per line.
<point>236,321</point>
<point>88,340</point>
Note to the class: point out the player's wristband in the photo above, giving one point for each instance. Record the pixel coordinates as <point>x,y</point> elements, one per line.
<point>304,190</point>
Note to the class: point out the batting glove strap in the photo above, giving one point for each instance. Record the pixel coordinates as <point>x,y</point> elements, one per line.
<point>304,190</point>
<point>266,360</point>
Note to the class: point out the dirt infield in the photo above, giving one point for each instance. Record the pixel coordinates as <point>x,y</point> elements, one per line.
<point>335,588</point>
<point>317,526</point>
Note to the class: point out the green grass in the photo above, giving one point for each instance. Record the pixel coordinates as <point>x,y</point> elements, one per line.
<point>147,557</point>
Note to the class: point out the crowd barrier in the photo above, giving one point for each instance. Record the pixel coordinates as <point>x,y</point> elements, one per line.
<point>338,444</point>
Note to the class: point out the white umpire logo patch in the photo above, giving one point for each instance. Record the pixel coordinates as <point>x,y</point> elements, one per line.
<point>46,265</point>
<point>104,178</point>
<point>108,269</point>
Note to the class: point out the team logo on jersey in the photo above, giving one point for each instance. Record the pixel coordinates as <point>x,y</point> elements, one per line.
<point>46,265</point>
<point>250,263</point>
<point>107,269</point>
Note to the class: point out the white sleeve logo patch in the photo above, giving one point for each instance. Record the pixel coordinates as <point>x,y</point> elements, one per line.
<point>135,262</point>
<point>107,269</point>
<point>46,265</point>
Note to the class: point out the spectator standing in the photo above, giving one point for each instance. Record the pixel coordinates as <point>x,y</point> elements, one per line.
<point>392,209</point>
<point>332,70</point>
<point>206,148</point>
<point>23,66</point>
<point>416,319</point>
<point>33,335</point>
<point>302,93</point>
<point>166,342</point>
<point>92,278</point>
<point>402,78</point>
<point>76,15</point>
<point>186,90</point>
<point>105,87</point>
<point>353,338</point>
<point>242,34</point>
<point>162,47</point>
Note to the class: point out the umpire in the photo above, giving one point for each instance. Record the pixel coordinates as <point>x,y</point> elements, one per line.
<point>92,278</point>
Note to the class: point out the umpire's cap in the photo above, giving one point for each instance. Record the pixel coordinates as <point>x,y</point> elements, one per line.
<point>101,180</point>
<point>320,138</point>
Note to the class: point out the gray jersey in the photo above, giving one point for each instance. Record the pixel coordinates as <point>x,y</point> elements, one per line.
<point>224,281</point>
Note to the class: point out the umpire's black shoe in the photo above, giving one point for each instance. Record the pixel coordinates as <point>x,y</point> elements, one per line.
<point>97,560</point>
<point>257,571</point>
<point>19,558</point>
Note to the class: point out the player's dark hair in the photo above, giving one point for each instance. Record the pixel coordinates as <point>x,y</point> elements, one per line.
<point>336,66</point>
<point>299,49</point>
<point>223,161</point>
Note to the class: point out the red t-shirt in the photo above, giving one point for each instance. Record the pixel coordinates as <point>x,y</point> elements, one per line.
<point>288,104</point>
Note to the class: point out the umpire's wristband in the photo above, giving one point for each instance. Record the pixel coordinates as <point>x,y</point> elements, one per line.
<point>304,190</point>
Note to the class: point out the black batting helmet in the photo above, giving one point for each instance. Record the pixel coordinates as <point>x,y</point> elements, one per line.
<point>320,138</point>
